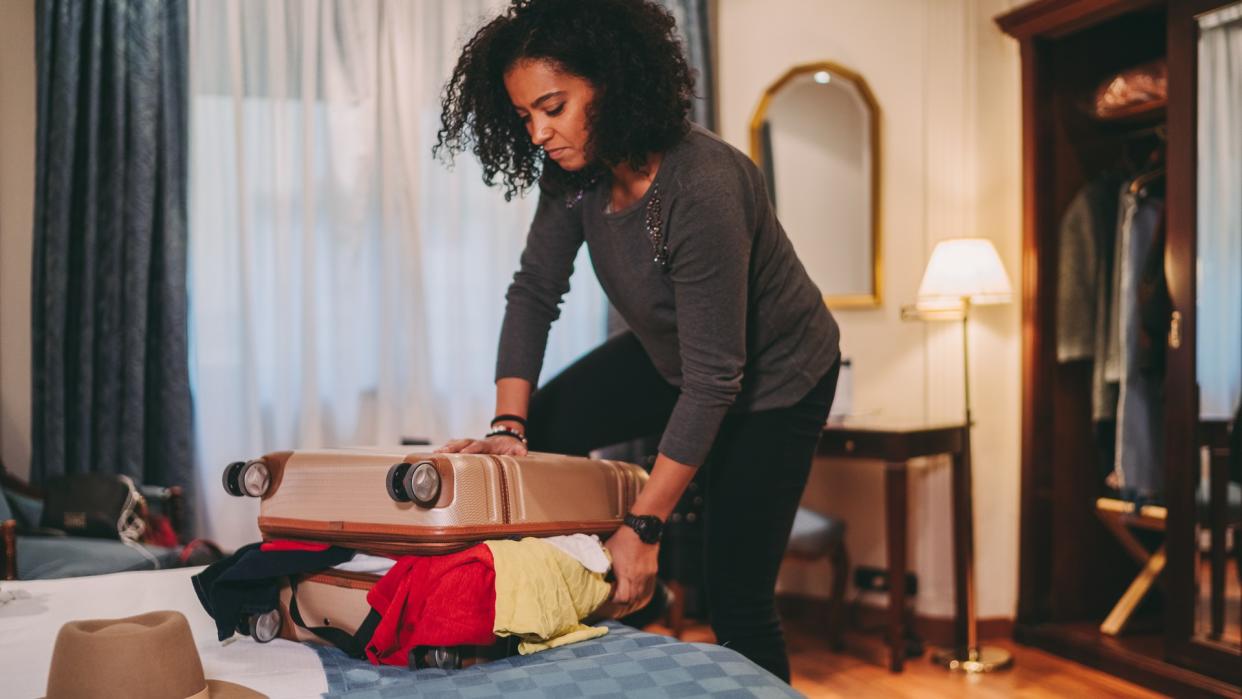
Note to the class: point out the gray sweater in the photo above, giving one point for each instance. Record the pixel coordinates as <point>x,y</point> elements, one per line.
<point>727,313</point>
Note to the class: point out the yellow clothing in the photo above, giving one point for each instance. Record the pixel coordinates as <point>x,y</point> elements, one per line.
<point>543,594</point>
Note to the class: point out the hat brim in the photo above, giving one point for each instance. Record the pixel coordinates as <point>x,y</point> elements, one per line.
<point>219,689</point>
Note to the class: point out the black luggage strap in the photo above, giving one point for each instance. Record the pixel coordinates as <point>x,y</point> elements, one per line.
<point>355,645</point>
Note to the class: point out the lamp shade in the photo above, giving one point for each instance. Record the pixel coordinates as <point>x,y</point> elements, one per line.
<point>960,269</point>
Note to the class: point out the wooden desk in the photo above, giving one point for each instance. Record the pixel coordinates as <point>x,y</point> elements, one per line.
<point>896,442</point>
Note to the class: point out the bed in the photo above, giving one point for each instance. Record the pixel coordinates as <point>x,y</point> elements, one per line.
<point>624,663</point>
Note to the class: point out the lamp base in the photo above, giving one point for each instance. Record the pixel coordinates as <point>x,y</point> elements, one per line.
<point>973,660</point>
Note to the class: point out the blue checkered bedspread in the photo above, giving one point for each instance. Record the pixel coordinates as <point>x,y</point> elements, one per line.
<point>624,663</point>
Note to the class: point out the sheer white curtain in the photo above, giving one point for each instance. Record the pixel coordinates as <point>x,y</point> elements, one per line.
<point>1220,213</point>
<point>345,287</point>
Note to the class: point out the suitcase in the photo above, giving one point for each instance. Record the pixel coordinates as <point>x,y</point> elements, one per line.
<point>386,501</point>
<point>330,608</point>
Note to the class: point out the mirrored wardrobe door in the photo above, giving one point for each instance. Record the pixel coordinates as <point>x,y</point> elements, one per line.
<point>1203,266</point>
<point>1218,312</point>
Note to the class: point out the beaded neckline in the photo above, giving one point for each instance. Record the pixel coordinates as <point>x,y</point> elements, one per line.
<point>653,220</point>
<point>654,224</point>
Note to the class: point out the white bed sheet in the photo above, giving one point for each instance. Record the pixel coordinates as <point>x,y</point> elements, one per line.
<point>28,628</point>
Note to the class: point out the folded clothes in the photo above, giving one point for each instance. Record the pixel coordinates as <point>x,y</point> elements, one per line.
<point>445,600</point>
<point>543,594</point>
<point>248,582</point>
<point>538,590</point>
<point>587,549</point>
<point>366,563</point>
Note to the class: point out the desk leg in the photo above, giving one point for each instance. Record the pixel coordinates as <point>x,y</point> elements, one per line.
<point>963,552</point>
<point>895,494</point>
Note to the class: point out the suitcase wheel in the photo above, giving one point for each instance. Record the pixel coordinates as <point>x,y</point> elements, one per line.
<point>441,657</point>
<point>445,658</point>
<point>255,478</point>
<point>418,483</point>
<point>247,478</point>
<point>232,478</point>
<point>265,627</point>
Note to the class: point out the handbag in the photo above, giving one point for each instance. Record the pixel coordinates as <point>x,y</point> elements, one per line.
<point>97,505</point>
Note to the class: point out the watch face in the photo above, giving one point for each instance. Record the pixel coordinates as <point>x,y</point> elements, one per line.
<point>646,526</point>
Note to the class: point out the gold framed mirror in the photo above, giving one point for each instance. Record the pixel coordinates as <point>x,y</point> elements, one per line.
<point>816,136</point>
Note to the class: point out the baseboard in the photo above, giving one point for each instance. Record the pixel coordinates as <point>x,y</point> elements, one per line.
<point>937,631</point>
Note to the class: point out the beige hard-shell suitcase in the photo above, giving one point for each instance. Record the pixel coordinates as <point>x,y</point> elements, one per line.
<point>387,501</point>
<point>331,598</point>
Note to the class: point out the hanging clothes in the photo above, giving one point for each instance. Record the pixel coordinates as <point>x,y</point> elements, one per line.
<point>1140,416</point>
<point>1085,285</point>
<point>1155,308</point>
<point>1112,309</point>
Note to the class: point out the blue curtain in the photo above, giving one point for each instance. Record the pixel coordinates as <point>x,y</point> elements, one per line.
<point>110,381</point>
<point>694,23</point>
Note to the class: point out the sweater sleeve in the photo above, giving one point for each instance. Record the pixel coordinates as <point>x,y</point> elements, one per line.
<point>709,252</point>
<point>534,298</point>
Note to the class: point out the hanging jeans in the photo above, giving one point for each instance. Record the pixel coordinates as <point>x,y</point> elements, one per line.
<point>756,472</point>
<point>1140,410</point>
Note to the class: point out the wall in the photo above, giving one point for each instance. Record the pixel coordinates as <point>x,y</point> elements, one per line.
<point>947,84</point>
<point>17,157</point>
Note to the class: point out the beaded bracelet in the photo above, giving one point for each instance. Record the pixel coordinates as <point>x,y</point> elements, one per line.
<point>507,431</point>
<point>509,418</point>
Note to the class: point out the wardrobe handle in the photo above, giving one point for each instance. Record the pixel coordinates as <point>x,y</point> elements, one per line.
<point>1175,330</point>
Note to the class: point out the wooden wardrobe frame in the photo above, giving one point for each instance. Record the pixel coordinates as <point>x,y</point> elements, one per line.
<point>1071,570</point>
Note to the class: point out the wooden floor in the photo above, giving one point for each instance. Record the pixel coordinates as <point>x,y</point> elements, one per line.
<point>820,673</point>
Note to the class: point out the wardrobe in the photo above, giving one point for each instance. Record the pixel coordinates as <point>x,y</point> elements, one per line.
<point>1143,587</point>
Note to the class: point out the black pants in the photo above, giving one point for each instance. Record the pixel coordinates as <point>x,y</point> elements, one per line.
<point>756,472</point>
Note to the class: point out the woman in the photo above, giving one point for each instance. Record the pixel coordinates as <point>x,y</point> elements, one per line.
<point>731,353</point>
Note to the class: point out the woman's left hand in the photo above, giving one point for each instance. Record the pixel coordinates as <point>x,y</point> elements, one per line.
<point>634,564</point>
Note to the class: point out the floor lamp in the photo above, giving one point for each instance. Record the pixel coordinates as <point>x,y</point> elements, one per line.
<point>961,274</point>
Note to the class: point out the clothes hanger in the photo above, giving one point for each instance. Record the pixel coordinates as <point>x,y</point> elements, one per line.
<point>1154,168</point>
<point>1141,182</point>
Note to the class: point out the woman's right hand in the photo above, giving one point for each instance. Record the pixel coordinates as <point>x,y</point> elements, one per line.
<point>498,444</point>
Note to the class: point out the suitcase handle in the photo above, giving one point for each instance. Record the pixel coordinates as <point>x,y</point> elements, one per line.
<point>355,646</point>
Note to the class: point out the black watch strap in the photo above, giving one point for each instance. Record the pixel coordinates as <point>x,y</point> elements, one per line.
<point>648,527</point>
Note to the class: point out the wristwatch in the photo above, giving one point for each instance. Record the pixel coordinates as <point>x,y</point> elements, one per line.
<point>648,527</point>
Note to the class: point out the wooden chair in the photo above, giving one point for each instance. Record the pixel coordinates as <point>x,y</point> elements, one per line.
<point>1121,517</point>
<point>816,536</point>
<point>1220,511</point>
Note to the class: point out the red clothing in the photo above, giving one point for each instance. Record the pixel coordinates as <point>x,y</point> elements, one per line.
<point>433,601</point>
<point>160,532</point>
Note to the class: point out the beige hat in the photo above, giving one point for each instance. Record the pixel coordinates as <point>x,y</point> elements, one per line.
<point>149,656</point>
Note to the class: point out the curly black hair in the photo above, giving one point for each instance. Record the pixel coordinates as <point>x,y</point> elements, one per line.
<point>630,52</point>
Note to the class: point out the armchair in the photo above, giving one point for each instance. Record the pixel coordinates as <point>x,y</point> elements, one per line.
<point>29,552</point>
